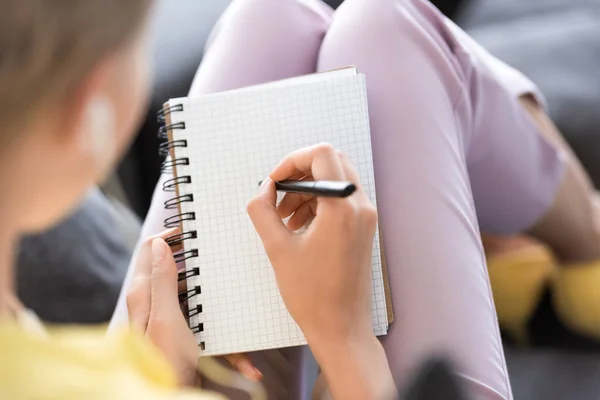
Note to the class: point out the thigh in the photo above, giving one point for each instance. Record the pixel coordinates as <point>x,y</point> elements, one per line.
<point>439,283</point>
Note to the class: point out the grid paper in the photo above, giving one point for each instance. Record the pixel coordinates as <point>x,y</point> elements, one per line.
<point>234,139</point>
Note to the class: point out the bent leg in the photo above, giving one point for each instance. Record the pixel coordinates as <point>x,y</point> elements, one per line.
<point>257,41</point>
<point>437,270</point>
<point>524,174</point>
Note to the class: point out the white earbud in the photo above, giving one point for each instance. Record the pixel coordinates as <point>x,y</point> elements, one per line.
<point>97,134</point>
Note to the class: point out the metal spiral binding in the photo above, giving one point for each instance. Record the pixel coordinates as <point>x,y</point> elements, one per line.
<point>171,184</point>
<point>178,184</point>
<point>167,165</point>
<point>164,129</point>
<point>174,203</point>
<point>175,220</point>
<point>178,238</point>
<point>164,149</point>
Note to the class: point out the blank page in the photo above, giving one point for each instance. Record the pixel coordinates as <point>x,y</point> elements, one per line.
<point>234,139</point>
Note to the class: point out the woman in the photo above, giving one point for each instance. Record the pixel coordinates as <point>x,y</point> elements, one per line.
<point>74,80</point>
<point>461,142</point>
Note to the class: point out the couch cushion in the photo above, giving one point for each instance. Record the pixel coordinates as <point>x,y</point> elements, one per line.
<point>552,375</point>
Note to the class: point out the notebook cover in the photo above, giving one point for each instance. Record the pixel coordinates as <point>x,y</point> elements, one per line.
<point>386,281</point>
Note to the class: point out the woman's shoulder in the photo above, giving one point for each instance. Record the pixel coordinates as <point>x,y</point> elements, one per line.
<point>74,363</point>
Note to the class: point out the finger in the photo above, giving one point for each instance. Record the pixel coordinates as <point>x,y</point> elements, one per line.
<point>320,161</point>
<point>143,257</point>
<point>291,202</point>
<point>138,293</point>
<point>353,176</point>
<point>243,364</point>
<point>349,170</point>
<point>163,284</point>
<point>303,215</point>
<point>299,176</point>
<point>138,303</point>
<point>367,211</point>
<point>263,213</point>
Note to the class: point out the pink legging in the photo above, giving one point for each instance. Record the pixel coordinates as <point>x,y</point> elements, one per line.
<point>453,151</point>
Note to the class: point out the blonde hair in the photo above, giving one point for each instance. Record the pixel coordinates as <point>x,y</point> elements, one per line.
<point>48,46</point>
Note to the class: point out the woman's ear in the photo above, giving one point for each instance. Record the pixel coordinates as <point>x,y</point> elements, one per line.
<point>89,117</point>
<point>96,131</point>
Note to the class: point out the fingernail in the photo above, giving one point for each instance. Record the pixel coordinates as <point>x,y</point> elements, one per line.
<point>158,251</point>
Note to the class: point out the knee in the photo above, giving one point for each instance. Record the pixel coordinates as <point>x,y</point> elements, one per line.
<point>362,31</point>
<point>268,26</point>
<point>252,14</point>
<point>268,39</point>
<point>383,40</point>
<point>395,45</point>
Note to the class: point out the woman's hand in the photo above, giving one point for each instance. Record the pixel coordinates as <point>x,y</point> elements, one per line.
<point>154,309</point>
<point>324,274</point>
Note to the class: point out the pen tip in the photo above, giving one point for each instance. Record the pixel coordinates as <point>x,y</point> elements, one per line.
<point>348,190</point>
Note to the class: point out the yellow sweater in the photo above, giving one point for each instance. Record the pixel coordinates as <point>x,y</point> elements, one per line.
<point>82,363</point>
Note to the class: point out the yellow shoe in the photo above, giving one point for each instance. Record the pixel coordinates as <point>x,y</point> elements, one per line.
<point>519,279</point>
<point>576,297</point>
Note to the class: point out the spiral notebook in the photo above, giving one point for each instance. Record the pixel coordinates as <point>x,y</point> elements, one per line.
<point>220,146</point>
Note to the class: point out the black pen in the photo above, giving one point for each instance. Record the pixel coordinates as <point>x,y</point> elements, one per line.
<point>316,188</point>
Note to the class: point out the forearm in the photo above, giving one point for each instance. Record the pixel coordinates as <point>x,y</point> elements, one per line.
<point>355,369</point>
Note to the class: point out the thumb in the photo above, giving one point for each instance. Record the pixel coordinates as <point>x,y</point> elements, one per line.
<point>262,210</point>
<point>163,286</point>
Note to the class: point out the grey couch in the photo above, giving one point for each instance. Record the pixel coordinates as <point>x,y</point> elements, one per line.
<point>557,44</point>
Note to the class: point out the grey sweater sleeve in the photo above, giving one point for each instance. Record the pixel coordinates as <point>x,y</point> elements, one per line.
<point>74,272</point>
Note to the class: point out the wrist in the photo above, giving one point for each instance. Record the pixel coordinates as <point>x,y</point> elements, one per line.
<point>331,343</point>
<point>355,367</point>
